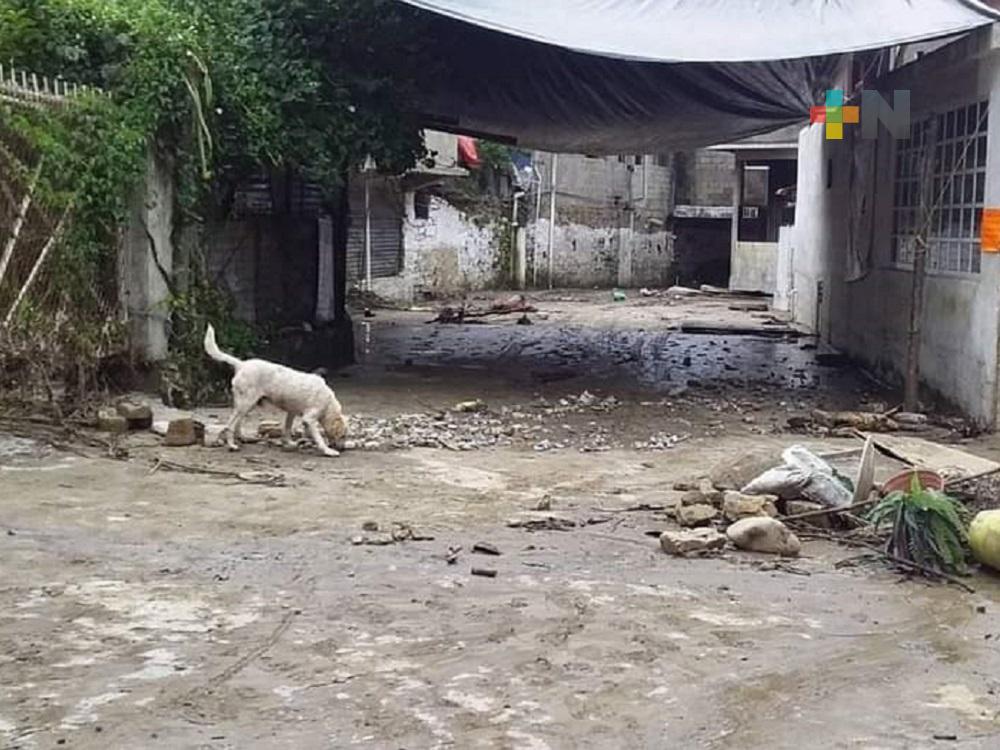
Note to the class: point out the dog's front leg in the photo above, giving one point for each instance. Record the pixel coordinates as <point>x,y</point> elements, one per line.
<point>312,425</point>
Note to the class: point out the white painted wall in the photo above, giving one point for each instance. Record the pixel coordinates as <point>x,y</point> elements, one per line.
<point>868,318</point>
<point>754,265</point>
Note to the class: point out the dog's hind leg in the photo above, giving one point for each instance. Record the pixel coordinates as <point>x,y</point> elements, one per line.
<point>286,435</point>
<point>241,407</point>
<point>312,425</point>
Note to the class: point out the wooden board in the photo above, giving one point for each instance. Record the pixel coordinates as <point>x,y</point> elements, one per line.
<point>951,463</point>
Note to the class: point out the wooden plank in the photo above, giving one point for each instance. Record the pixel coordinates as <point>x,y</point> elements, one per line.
<point>951,463</point>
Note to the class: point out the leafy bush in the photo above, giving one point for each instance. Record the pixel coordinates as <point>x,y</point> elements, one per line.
<point>219,89</point>
<point>928,527</point>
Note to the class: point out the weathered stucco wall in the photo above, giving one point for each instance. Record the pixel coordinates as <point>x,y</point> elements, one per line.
<point>446,254</point>
<point>868,318</point>
<point>587,256</point>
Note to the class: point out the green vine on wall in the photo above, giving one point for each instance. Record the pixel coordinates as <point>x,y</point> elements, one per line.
<point>221,89</point>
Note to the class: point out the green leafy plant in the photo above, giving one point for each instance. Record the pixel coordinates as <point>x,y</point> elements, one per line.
<point>928,528</point>
<point>219,90</point>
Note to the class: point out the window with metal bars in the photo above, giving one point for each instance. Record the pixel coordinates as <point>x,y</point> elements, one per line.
<point>956,191</point>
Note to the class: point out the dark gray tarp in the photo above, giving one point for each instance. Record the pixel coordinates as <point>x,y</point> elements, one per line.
<point>613,76</point>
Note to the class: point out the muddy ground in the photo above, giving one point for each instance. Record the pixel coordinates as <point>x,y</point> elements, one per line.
<point>165,608</point>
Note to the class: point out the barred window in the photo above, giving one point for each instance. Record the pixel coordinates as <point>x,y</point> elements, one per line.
<point>957,189</point>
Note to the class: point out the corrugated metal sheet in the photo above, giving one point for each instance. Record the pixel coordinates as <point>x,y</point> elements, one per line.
<point>386,227</point>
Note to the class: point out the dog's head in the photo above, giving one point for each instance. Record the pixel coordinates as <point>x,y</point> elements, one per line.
<point>335,427</point>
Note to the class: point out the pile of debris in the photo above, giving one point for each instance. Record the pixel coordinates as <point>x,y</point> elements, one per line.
<point>754,504</point>
<point>457,431</point>
<point>465,314</point>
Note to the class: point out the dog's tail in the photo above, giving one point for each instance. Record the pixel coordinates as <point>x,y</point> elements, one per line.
<point>212,350</point>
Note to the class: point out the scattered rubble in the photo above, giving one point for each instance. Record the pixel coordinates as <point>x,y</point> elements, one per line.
<point>764,535</point>
<point>214,434</point>
<point>661,441</point>
<point>737,506</point>
<point>534,522</point>
<point>400,532</point>
<point>682,543</point>
<point>109,420</point>
<point>484,548</point>
<point>470,407</point>
<point>800,507</point>
<point>139,416</point>
<point>462,314</point>
<point>184,431</point>
<point>696,515</point>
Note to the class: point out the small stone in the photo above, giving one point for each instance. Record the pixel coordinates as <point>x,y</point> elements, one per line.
<point>764,535</point>
<point>696,515</point>
<point>468,407</point>
<point>369,526</point>
<point>270,430</point>
<point>484,572</point>
<point>693,497</point>
<point>681,543</point>
<point>213,435</point>
<point>712,495</point>
<point>139,416</point>
<point>184,431</point>
<point>685,486</point>
<point>737,506</point>
<point>160,427</point>
<point>484,548</point>
<point>111,421</point>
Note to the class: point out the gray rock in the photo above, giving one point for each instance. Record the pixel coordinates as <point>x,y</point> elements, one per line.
<point>764,535</point>
<point>111,421</point>
<point>696,515</point>
<point>184,431</point>
<point>139,416</point>
<point>736,506</point>
<point>213,435</point>
<point>681,543</point>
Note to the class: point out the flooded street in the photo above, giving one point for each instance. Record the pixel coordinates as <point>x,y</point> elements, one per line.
<point>176,599</point>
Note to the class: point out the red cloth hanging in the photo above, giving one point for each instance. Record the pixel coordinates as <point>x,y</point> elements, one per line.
<point>468,154</point>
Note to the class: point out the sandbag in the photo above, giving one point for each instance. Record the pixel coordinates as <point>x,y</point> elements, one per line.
<point>804,475</point>
<point>984,538</point>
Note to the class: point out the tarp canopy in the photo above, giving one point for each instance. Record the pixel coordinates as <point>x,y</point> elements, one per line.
<point>613,76</point>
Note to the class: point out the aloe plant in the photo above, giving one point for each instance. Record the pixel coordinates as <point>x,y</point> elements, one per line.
<point>928,527</point>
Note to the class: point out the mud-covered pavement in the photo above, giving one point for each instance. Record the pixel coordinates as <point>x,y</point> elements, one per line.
<point>165,608</point>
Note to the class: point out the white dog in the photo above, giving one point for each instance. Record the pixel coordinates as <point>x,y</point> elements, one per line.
<point>297,393</point>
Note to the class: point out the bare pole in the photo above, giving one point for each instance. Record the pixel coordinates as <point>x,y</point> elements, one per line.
<point>22,213</point>
<point>552,215</point>
<point>911,390</point>
<point>56,234</point>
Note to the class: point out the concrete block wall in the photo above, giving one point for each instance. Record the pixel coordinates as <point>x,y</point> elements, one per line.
<point>705,178</point>
<point>587,256</point>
